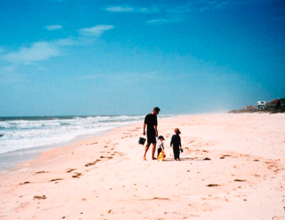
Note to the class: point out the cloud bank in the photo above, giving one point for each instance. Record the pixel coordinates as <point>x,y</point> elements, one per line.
<point>174,13</point>
<point>37,52</point>
<point>44,50</point>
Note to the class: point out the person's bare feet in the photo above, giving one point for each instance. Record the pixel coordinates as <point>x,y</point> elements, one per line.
<point>154,158</point>
<point>144,158</point>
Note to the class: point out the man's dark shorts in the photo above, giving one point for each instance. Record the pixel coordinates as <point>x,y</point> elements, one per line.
<point>151,139</point>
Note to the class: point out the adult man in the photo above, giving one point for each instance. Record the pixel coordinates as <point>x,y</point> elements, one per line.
<point>150,122</point>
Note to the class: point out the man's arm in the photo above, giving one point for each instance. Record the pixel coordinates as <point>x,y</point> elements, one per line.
<point>144,125</point>
<point>156,132</point>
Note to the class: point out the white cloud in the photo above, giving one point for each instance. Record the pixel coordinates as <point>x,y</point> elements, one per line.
<point>131,9</point>
<point>120,9</point>
<point>37,52</point>
<point>53,27</point>
<point>44,50</point>
<point>164,20</point>
<point>95,31</point>
<point>149,10</point>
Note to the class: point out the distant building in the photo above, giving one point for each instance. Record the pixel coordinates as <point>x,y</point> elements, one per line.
<point>250,108</point>
<point>272,105</point>
<point>261,105</point>
<point>281,105</point>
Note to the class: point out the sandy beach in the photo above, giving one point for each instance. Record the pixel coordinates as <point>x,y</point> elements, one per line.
<point>232,168</point>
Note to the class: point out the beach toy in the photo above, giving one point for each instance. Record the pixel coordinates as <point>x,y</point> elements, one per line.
<point>161,156</point>
<point>142,140</point>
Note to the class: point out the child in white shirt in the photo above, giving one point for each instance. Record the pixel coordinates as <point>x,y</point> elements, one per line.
<point>160,144</point>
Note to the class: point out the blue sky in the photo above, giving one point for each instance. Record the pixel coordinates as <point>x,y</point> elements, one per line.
<point>70,57</point>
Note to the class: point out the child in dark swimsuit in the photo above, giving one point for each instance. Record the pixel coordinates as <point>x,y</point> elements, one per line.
<point>176,144</point>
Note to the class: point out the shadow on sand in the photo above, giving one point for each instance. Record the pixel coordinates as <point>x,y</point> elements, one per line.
<point>188,159</point>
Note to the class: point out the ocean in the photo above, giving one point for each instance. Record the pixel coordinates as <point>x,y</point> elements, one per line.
<point>24,138</point>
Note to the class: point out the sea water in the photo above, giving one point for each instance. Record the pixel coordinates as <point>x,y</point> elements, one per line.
<point>24,138</point>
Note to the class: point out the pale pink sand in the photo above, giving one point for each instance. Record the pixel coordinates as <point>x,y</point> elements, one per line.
<point>106,177</point>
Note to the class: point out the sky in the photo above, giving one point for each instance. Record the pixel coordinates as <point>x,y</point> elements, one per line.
<point>85,57</point>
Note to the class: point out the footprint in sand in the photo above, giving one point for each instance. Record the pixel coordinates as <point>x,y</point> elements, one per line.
<point>77,175</point>
<point>239,180</point>
<point>70,170</point>
<point>57,179</point>
<point>212,185</point>
<point>40,197</point>
<point>41,172</point>
<point>90,164</point>
<point>224,156</point>
<point>25,183</point>
<point>160,198</point>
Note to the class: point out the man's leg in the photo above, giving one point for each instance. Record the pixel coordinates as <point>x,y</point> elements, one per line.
<point>145,151</point>
<point>153,150</point>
